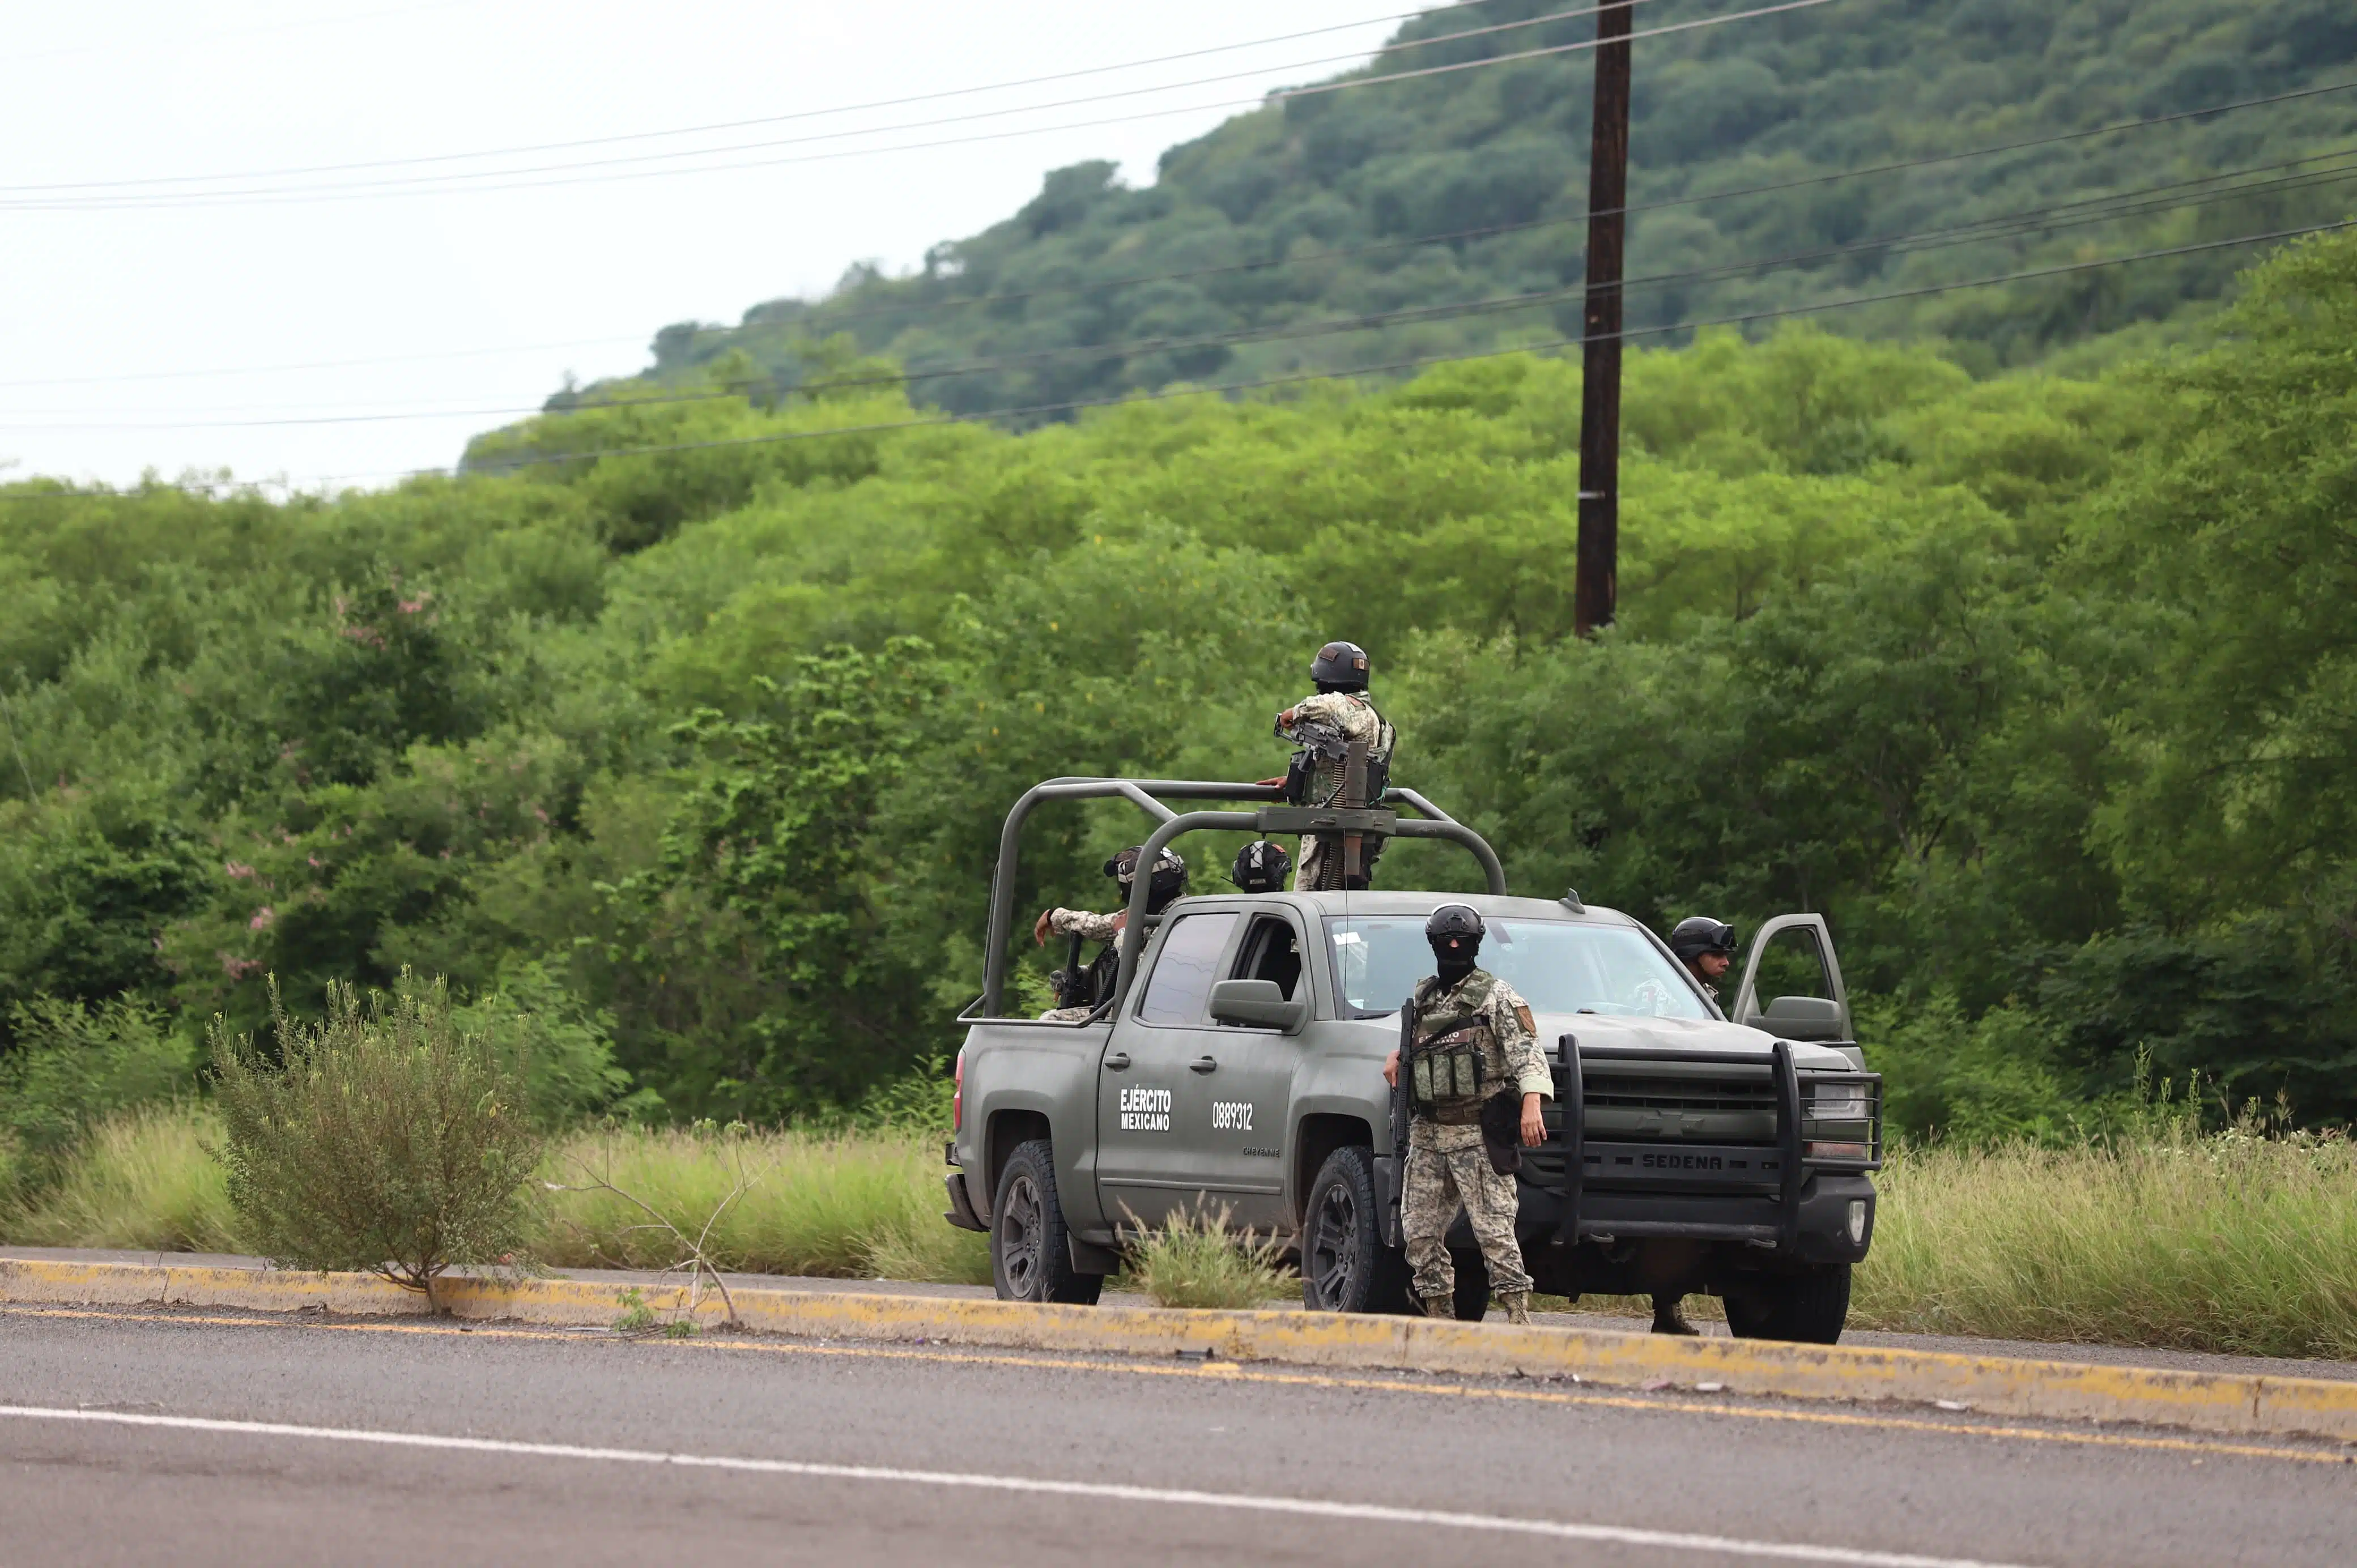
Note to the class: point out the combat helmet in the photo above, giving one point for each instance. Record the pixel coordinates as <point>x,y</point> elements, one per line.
<point>1340,667</point>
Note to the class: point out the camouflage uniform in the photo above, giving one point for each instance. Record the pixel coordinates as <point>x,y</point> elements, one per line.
<point>1356,718</point>
<point>1089,925</point>
<point>1447,1165</point>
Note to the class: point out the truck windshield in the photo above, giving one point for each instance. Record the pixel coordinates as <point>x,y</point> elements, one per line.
<point>1557,965</point>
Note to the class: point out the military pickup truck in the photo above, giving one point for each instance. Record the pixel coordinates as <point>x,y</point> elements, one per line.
<point>1238,1065</point>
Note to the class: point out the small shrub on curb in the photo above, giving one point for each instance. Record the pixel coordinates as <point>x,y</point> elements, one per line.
<point>385,1140</point>
<point>1198,1260</point>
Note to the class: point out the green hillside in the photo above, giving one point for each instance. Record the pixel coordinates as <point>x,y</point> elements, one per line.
<point>1296,218</point>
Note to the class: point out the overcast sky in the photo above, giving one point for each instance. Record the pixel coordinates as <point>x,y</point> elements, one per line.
<point>150,311</point>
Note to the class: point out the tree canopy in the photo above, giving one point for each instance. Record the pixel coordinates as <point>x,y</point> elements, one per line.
<point>2039,687</point>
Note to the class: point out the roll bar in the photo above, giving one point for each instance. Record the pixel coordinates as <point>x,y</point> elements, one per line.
<point>1273,816</point>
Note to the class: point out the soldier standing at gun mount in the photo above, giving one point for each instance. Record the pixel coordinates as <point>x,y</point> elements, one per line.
<point>1474,1076</point>
<point>1324,725</point>
<point>1079,989</point>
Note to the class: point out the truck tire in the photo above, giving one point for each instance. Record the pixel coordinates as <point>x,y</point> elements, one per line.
<point>1472,1303</point>
<point>1030,1249</point>
<point>1345,1267</point>
<point>1807,1308</point>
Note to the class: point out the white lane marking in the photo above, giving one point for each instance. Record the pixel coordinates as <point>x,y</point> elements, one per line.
<point>1372,1513</point>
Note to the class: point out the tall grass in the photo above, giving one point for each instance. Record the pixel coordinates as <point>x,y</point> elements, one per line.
<point>143,1178</point>
<point>2229,1241</point>
<point>853,1206</point>
<point>2165,1238</point>
<point>1199,1259</point>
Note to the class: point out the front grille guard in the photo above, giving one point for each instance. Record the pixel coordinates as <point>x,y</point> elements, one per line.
<point>1791,1140</point>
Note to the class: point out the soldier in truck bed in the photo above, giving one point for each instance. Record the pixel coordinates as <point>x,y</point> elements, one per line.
<point>1323,725</point>
<point>1082,989</point>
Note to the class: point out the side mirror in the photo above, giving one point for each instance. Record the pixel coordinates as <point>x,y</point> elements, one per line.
<point>1256,1004</point>
<point>1801,1018</point>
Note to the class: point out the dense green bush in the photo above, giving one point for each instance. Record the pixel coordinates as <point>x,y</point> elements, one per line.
<point>384,1138</point>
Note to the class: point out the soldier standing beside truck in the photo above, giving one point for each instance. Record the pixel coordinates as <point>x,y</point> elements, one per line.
<point>1707,947</point>
<point>1325,725</point>
<point>1475,1077</point>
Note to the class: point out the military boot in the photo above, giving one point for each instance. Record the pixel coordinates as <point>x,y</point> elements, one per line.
<point>1442,1303</point>
<point>1517,1303</point>
<point>1668,1320</point>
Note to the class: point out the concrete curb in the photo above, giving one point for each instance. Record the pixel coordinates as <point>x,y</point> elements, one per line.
<point>2241,1404</point>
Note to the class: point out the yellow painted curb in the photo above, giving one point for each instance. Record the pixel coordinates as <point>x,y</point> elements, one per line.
<point>2210,1402</point>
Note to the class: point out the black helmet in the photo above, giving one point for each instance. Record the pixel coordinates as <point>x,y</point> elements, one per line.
<point>1261,867</point>
<point>1699,934</point>
<point>1168,881</point>
<point>1341,667</point>
<point>1458,920</point>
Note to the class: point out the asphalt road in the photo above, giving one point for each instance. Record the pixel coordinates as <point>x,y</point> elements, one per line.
<point>209,1437</point>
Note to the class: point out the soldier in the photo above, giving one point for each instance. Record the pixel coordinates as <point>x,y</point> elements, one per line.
<point>1082,990</point>
<point>1324,725</point>
<point>1473,1046</point>
<point>1260,868</point>
<point>1706,947</point>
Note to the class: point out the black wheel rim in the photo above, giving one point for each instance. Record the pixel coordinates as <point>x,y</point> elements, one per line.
<point>1018,1238</point>
<point>1334,1249</point>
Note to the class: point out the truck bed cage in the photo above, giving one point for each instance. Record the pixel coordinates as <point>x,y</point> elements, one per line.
<point>1272,815</point>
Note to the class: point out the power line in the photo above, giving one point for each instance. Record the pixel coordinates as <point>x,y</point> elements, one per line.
<point>1742,319</point>
<point>820,313</point>
<point>1495,229</point>
<point>440,185</point>
<point>2071,214</point>
<point>532,148</point>
<point>922,307</point>
<point>506,463</point>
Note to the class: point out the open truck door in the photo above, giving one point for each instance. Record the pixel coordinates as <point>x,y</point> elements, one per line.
<point>1793,963</point>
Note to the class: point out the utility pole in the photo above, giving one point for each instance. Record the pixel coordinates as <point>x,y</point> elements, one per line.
<point>1597,585</point>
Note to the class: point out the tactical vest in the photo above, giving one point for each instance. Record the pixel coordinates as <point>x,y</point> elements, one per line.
<point>1459,1061</point>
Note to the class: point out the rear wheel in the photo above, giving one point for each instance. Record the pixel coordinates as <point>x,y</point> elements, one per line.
<point>1808,1308</point>
<point>1345,1267</point>
<point>1030,1249</point>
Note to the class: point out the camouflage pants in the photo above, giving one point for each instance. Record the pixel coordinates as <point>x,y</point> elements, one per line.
<point>1447,1166</point>
<point>1066,1014</point>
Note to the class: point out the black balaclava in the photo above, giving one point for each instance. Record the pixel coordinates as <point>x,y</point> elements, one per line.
<point>1455,955</point>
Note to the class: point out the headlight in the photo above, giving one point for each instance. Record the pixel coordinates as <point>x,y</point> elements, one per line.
<point>1831,1100</point>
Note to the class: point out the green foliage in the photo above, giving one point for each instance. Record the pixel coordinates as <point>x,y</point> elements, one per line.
<point>1199,1259</point>
<point>2223,1241</point>
<point>144,1178</point>
<point>689,777</point>
<point>851,1207</point>
<point>72,1067</point>
<point>385,1138</point>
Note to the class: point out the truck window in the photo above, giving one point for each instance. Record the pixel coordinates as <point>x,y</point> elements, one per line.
<point>1181,983</point>
<point>1792,965</point>
<point>1270,953</point>
<point>1559,966</point>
